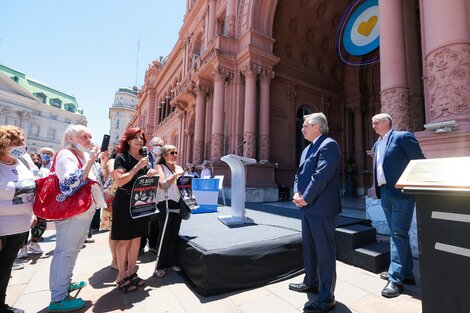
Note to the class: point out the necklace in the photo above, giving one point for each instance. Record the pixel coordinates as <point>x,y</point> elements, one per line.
<point>13,161</point>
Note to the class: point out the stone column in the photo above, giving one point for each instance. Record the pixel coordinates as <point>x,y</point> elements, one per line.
<point>249,125</point>
<point>394,94</point>
<point>238,113</point>
<point>160,111</point>
<point>447,60</point>
<point>24,124</point>
<point>217,138</point>
<point>413,65</point>
<point>230,18</point>
<point>152,123</point>
<point>212,19</point>
<point>188,144</point>
<point>5,112</point>
<point>264,115</point>
<point>199,127</point>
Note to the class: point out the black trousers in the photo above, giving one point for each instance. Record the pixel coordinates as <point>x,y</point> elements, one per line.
<point>168,254</point>
<point>10,247</point>
<point>154,231</point>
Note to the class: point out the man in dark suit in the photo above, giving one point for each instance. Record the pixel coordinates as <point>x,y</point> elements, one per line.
<point>392,153</point>
<point>316,193</point>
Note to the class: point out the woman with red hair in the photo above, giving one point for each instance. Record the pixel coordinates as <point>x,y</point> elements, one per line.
<point>129,164</point>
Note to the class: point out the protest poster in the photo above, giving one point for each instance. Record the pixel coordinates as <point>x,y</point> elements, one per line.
<point>144,197</point>
<point>184,184</point>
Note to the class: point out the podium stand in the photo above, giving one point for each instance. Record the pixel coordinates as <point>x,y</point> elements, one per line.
<point>237,168</point>
<point>206,192</point>
<point>442,190</point>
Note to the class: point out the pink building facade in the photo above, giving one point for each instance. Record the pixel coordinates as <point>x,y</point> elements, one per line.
<point>244,72</point>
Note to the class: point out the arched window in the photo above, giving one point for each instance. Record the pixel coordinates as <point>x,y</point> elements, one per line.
<point>69,107</point>
<point>55,102</point>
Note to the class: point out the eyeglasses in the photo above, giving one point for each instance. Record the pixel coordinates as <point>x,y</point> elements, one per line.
<point>173,152</point>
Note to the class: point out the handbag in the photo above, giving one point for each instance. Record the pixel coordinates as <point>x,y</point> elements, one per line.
<point>185,211</point>
<point>187,201</point>
<point>51,204</point>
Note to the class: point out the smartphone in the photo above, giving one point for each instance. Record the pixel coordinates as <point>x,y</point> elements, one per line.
<point>105,142</point>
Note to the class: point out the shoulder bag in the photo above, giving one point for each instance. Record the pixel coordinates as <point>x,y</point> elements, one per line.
<point>51,204</point>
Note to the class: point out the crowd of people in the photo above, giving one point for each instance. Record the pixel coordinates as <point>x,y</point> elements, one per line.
<point>80,163</point>
<point>77,163</point>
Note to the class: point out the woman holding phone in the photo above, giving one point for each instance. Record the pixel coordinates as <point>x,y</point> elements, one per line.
<point>74,166</point>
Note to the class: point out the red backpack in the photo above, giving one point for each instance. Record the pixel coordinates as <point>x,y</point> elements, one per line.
<point>51,204</point>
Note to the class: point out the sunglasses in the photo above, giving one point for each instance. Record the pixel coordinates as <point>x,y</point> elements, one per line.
<point>173,153</point>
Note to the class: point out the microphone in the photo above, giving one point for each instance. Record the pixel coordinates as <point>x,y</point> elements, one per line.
<point>241,144</point>
<point>145,151</point>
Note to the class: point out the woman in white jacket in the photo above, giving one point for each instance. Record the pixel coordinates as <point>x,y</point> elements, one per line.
<point>16,203</point>
<point>74,166</point>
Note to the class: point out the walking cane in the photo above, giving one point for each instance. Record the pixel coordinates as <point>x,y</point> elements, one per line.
<point>164,227</point>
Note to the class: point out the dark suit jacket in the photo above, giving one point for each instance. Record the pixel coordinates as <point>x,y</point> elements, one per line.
<point>318,179</point>
<point>401,147</point>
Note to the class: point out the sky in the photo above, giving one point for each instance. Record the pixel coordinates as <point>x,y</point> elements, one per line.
<point>88,48</point>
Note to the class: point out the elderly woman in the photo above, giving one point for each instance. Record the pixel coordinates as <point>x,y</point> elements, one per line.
<point>169,172</point>
<point>74,166</point>
<point>16,203</point>
<point>206,169</point>
<point>129,164</point>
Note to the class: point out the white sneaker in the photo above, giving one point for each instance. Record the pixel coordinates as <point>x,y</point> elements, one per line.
<point>17,266</point>
<point>34,248</point>
<point>23,252</point>
<point>90,240</point>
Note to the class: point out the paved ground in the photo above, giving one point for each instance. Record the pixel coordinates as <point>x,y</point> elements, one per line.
<point>357,290</point>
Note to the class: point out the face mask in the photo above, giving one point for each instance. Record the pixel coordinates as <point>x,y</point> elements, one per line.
<point>156,150</point>
<point>38,164</point>
<point>17,151</point>
<point>45,157</point>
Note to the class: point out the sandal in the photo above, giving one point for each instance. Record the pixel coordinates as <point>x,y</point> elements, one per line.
<point>126,285</point>
<point>136,280</point>
<point>76,286</point>
<point>159,273</point>
<point>175,268</point>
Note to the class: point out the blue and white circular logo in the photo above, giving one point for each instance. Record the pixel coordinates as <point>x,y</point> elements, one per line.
<point>361,33</point>
<point>60,197</point>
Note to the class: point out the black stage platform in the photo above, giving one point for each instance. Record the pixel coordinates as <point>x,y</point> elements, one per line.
<point>217,258</point>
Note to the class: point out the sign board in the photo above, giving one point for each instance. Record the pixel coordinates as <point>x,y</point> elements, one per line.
<point>184,184</point>
<point>446,173</point>
<point>144,197</point>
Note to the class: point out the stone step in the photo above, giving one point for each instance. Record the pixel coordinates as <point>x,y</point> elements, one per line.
<point>354,236</point>
<point>374,257</point>
<point>357,245</point>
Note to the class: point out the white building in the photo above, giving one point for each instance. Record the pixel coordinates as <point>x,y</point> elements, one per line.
<point>40,110</point>
<point>121,112</point>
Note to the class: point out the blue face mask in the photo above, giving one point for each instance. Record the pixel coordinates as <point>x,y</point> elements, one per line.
<point>17,151</point>
<point>45,157</point>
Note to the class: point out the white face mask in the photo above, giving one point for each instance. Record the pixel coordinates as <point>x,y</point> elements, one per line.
<point>17,152</point>
<point>156,150</point>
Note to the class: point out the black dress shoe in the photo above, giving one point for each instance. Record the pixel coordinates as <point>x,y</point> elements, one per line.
<point>392,290</point>
<point>320,307</point>
<point>406,281</point>
<point>9,309</point>
<point>301,287</point>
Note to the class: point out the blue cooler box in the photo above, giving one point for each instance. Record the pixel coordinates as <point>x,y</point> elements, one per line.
<point>206,193</point>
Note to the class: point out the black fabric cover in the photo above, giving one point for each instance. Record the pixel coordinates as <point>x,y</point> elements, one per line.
<point>245,266</point>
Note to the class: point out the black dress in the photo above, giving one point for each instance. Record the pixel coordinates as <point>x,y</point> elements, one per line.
<point>124,227</point>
